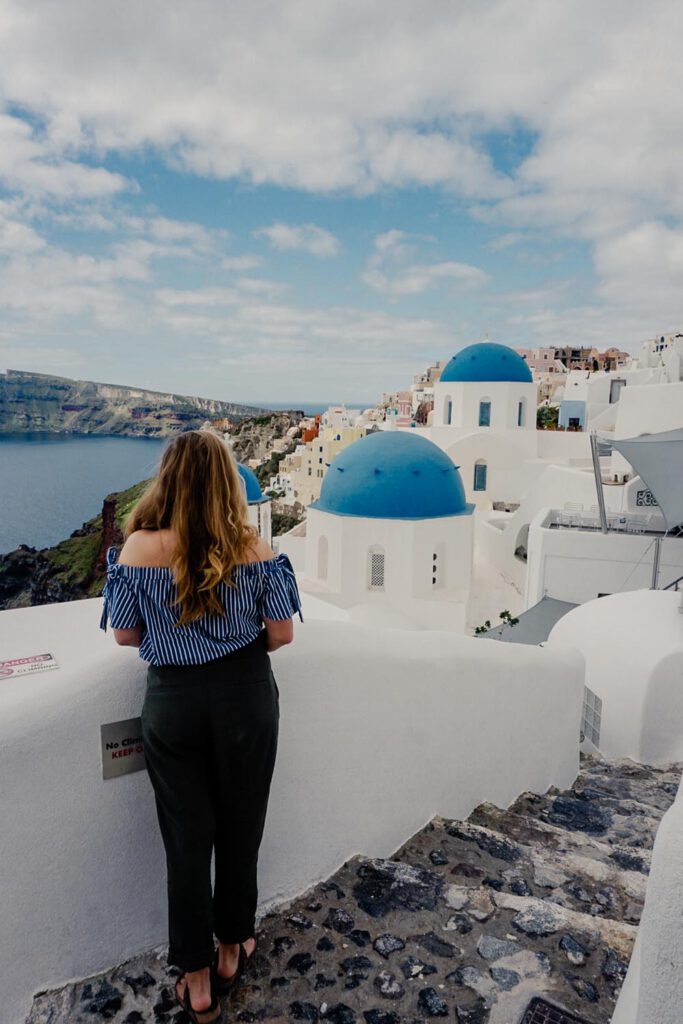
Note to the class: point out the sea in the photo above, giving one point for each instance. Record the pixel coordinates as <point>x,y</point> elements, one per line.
<point>50,484</point>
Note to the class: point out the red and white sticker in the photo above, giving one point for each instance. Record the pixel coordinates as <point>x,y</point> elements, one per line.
<point>23,666</point>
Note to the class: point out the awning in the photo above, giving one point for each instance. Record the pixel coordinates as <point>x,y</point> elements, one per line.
<point>658,461</point>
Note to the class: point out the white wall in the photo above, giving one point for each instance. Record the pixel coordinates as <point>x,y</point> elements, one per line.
<point>408,546</point>
<point>578,565</point>
<point>83,858</point>
<point>555,486</point>
<point>653,990</point>
<point>504,397</point>
<point>633,646</point>
<point>646,409</point>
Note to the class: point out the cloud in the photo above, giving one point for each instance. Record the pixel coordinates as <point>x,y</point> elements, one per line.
<point>32,165</point>
<point>241,262</point>
<point>390,272</point>
<point>306,237</point>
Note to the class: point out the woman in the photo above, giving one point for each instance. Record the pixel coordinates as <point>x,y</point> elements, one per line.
<point>205,600</point>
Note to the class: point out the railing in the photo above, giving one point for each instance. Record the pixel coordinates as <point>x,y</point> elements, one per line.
<point>673,585</point>
<point>575,516</point>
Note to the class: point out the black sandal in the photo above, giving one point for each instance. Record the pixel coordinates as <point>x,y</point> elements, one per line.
<point>224,986</point>
<point>199,1016</point>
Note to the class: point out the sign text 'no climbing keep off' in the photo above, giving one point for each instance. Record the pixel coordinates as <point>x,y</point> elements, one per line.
<point>122,750</point>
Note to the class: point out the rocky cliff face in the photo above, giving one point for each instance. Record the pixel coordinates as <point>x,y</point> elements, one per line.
<point>40,402</point>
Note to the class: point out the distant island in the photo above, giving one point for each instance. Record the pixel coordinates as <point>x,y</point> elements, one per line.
<point>41,402</point>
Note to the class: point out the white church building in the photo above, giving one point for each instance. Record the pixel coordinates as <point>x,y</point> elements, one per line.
<point>484,418</point>
<point>390,539</point>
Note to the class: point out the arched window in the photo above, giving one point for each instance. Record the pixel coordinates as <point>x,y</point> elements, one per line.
<point>376,560</point>
<point>480,475</point>
<point>485,412</point>
<point>322,558</point>
<point>521,412</point>
<point>447,410</point>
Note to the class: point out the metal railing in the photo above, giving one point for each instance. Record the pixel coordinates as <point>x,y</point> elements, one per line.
<point>674,585</point>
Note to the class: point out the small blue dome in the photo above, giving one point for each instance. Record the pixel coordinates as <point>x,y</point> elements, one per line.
<point>487,361</point>
<point>251,484</point>
<point>393,475</point>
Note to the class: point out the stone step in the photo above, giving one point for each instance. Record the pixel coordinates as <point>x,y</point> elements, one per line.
<point>624,779</point>
<point>534,832</point>
<point>619,803</point>
<point>518,861</point>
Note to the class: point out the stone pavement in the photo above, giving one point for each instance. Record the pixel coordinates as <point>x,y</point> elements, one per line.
<point>468,921</point>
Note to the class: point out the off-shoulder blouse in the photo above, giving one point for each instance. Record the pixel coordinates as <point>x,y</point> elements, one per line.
<point>144,595</point>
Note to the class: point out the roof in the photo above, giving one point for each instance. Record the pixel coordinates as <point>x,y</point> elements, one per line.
<point>251,485</point>
<point>393,475</point>
<point>534,624</point>
<point>487,361</point>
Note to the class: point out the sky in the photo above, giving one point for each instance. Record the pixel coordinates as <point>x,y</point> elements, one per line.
<point>312,200</point>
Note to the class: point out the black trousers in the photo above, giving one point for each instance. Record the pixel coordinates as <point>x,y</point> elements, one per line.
<point>210,738</point>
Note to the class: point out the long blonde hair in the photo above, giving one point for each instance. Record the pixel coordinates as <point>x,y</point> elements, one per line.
<point>198,493</point>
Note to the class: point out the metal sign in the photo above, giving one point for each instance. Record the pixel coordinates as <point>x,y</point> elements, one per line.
<point>24,666</point>
<point>122,750</point>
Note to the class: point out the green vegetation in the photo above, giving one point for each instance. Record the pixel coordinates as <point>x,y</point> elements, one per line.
<point>547,417</point>
<point>283,522</point>
<point>125,501</point>
<point>506,618</point>
<point>74,560</point>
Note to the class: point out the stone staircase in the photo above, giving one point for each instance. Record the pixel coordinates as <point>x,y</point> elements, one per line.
<point>468,921</point>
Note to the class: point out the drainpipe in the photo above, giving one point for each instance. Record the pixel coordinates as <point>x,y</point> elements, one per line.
<point>655,563</point>
<point>598,482</point>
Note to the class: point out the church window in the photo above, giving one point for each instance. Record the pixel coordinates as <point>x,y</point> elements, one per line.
<point>438,565</point>
<point>485,413</point>
<point>480,475</point>
<point>376,560</point>
<point>520,412</point>
<point>447,410</point>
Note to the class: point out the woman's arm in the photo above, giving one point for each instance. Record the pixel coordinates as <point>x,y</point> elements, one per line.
<point>128,637</point>
<point>278,633</point>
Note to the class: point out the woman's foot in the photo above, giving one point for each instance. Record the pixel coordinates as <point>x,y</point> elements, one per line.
<point>200,988</point>
<point>228,957</point>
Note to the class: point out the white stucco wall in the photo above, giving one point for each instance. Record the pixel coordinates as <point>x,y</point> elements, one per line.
<point>633,646</point>
<point>653,989</point>
<point>555,486</point>
<point>504,397</point>
<point>577,565</point>
<point>379,732</point>
<point>408,546</point>
<point>646,409</point>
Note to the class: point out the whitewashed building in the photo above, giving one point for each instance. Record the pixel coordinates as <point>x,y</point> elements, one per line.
<point>390,538</point>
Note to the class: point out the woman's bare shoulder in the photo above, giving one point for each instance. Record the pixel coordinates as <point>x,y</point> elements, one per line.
<point>148,548</point>
<point>259,551</point>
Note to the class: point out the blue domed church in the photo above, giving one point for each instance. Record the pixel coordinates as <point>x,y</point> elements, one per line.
<point>485,417</point>
<point>390,538</point>
<point>258,506</point>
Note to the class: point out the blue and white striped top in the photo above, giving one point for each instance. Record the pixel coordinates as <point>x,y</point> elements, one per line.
<point>143,595</point>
